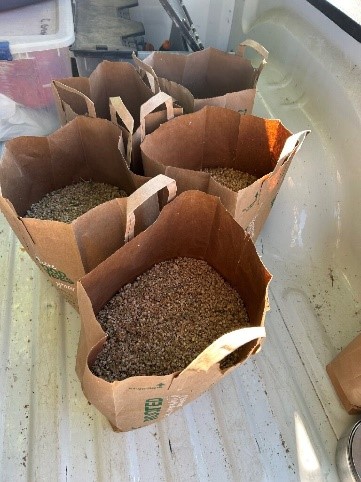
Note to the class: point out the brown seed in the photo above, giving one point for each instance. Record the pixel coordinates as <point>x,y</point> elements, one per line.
<point>70,202</point>
<point>231,178</point>
<point>189,306</point>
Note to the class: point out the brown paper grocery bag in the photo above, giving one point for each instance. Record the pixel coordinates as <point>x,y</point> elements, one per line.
<point>345,374</point>
<point>207,77</point>
<point>90,96</point>
<point>85,149</point>
<point>218,137</point>
<point>150,120</point>
<point>193,225</point>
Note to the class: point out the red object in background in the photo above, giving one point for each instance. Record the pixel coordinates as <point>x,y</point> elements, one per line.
<point>165,46</point>
<point>28,81</point>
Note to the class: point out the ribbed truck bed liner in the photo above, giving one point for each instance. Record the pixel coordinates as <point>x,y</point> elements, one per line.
<point>277,417</point>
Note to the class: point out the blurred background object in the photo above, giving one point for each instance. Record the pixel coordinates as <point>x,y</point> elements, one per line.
<point>11,4</point>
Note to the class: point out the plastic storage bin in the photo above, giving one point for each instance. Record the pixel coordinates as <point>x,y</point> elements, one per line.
<point>34,43</point>
<point>123,26</point>
<point>9,4</point>
<point>115,37</point>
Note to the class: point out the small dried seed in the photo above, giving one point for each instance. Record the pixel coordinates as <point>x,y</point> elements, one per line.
<point>70,202</point>
<point>231,178</point>
<point>159,323</point>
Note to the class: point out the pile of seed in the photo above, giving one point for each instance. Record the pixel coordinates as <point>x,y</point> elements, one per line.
<point>231,178</point>
<point>159,323</point>
<point>70,202</point>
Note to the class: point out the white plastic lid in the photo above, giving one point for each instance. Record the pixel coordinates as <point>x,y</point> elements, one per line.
<point>43,26</point>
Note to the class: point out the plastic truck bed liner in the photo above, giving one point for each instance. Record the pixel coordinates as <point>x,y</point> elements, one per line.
<point>277,417</point>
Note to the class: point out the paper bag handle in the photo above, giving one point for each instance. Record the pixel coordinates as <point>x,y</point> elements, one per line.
<point>292,144</point>
<point>142,194</point>
<point>263,52</point>
<point>259,49</point>
<point>149,72</point>
<point>151,105</point>
<point>224,346</point>
<point>117,107</point>
<point>89,104</point>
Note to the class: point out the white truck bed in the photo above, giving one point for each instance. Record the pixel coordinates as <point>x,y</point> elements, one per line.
<point>277,417</point>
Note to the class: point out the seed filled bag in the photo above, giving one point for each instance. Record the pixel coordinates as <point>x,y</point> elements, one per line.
<point>194,225</point>
<point>90,95</point>
<point>207,77</point>
<point>215,137</point>
<point>114,91</point>
<point>345,374</point>
<point>86,149</point>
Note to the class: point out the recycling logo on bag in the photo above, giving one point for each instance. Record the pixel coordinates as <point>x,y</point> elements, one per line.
<point>54,273</point>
